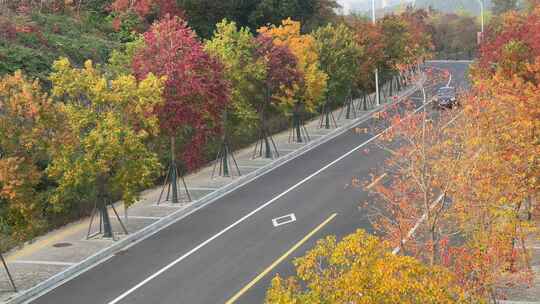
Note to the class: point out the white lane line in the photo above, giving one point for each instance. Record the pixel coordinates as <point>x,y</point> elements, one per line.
<point>449,61</point>
<point>449,80</point>
<point>418,223</point>
<point>516,302</point>
<point>202,188</point>
<point>271,201</point>
<point>54,263</point>
<point>145,217</point>
<point>169,205</point>
<point>250,167</point>
<point>282,220</point>
<point>423,217</point>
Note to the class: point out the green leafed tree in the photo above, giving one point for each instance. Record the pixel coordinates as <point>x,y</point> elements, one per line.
<point>121,61</point>
<point>235,48</point>
<point>204,14</point>
<point>103,153</point>
<point>339,55</point>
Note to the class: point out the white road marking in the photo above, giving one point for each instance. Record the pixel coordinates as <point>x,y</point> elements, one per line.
<point>169,205</point>
<point>250,167</point>
<point>282,220</point>
<point>271,201</point>
<point>449,61</point>
<point>145,217</point>
<point>420,220</point>
<point>54,263</point>
<point>516,302</point>
<point>423,217</point>
<point>202,188</point>
<point>449,80</point>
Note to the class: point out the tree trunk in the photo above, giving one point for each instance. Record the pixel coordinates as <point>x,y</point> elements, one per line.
<point>225,147</point>
<point>327,115</point>
<point>297,123</point>
<point>348,112</point>
<point>173,172</point>
<point>103,204</point>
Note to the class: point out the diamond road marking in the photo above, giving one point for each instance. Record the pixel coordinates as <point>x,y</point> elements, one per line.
<point>282,220</point>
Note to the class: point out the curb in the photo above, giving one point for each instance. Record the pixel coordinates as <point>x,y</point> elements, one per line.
<point>138,236</point>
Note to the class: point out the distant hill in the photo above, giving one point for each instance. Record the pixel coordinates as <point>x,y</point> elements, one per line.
<point>447,6</point>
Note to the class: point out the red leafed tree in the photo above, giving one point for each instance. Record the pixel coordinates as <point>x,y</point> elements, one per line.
<point>281,77</point>
<point>143,8</point>
<point>195,90</point>
<point>514,38</point>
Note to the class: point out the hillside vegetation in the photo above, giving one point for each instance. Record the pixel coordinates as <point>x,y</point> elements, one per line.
<point>32,41</point>
<point>100,98</point>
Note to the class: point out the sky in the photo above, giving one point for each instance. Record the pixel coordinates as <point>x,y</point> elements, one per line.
<point>364,4</point>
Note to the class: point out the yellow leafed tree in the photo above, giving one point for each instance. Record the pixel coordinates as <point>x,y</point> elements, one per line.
<point>361,269</point>
<point>311,91</point>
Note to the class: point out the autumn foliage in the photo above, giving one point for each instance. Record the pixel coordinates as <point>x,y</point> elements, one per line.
<point>362,269</point>
<point>28,115</point>
<point>195,90</point>
<point>311,88</point>
<point>462,188</point>
<point>94,131</point>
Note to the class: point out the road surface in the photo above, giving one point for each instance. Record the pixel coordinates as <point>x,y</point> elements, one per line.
<point>229,251</point>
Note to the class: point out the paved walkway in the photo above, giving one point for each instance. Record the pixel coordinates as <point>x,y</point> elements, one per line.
<point>51,253</point>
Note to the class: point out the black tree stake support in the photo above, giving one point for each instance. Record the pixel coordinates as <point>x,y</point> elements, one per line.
<point>266,141</point>
<point>363,106</point>
<point>171,180</point>
<point>349,108</point>
<point>391,87</point>
<point>223,161</point>
<point>8,273</point>
<point>224,154</point>
<point>298,132</point>
<point>105,227</point>
<point>327,119</point>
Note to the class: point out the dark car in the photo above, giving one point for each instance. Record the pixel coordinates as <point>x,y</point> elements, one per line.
<point>446,98</point>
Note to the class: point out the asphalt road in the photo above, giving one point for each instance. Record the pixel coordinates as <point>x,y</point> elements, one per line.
<point>211,255</point>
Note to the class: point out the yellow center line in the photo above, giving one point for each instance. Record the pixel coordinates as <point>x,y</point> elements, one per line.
<point>376,181</point>
<point>278,261</point>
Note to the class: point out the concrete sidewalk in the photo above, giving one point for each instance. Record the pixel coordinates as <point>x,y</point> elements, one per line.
<point>54,252</point>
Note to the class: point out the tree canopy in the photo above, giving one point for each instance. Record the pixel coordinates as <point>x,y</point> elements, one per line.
<point>312,87</point>
<point>195,89</point>
<point>362,269</point>
<point>107,121</point>
<point>204,14</point>
<point>339,56</point>
<point>236,49</point>
<point>27,120</point>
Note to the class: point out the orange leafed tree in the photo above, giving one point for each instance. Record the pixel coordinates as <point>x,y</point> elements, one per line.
<point>27,116</point>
